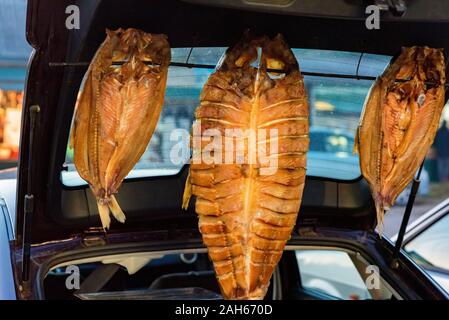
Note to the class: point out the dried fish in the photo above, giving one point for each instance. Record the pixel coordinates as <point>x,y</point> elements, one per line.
<point>399,123</point>
<point>246,210</point>
<point>117,112</point>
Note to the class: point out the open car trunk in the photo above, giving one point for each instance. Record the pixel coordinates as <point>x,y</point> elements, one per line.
<point>65,220</point>
<point>188,274</point>
<point>62,210</point>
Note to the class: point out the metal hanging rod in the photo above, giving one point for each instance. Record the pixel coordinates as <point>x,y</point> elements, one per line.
<point>211,66</point>
<point>118,63</point>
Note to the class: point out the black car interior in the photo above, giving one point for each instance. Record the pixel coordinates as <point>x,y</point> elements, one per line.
<point>164,277</point>
<point>169,272</point>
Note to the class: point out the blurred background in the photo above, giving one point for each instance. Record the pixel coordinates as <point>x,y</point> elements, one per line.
<point>14,54</point>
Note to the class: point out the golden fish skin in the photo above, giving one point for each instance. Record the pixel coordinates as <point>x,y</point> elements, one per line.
<point>399,123</point>
<point>117,112</point>
<point>246,217</point>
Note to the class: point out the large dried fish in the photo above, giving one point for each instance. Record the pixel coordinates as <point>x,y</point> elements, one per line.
<point>246,214</point>
<point>399,123</point>
<point>118,111</point>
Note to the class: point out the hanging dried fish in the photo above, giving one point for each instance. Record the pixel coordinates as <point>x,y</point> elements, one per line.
<point>248,208</point>
<point>118,111</point>
<point>399,123</point>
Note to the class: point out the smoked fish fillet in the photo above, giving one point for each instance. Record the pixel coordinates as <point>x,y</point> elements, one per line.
<point>399,123</point>
<point>117,112</point>
<point>246,214</point>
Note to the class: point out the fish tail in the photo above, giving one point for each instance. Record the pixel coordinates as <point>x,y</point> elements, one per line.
<point>116,210</point>
<point>103,211</point>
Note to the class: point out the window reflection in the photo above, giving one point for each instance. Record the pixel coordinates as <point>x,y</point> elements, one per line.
<point>431,247</point>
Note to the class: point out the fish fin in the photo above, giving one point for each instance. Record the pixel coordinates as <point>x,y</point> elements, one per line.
<point>80,131</point>
<point>72,131</point>
<point>116,210</point>
<point>103,211</point>
<point>126,155</point>
<point>187,194</point>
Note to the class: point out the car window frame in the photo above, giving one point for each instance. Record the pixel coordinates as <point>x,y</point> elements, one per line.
<point>359,254</point>
<point>418,230</point>
<point>372,254</point>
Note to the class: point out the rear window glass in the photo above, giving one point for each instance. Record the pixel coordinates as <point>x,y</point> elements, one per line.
<point>335,107</point>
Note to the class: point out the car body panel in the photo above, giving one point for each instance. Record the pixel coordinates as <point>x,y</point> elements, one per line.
<point>8,189</point>
<point>7,286</point>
